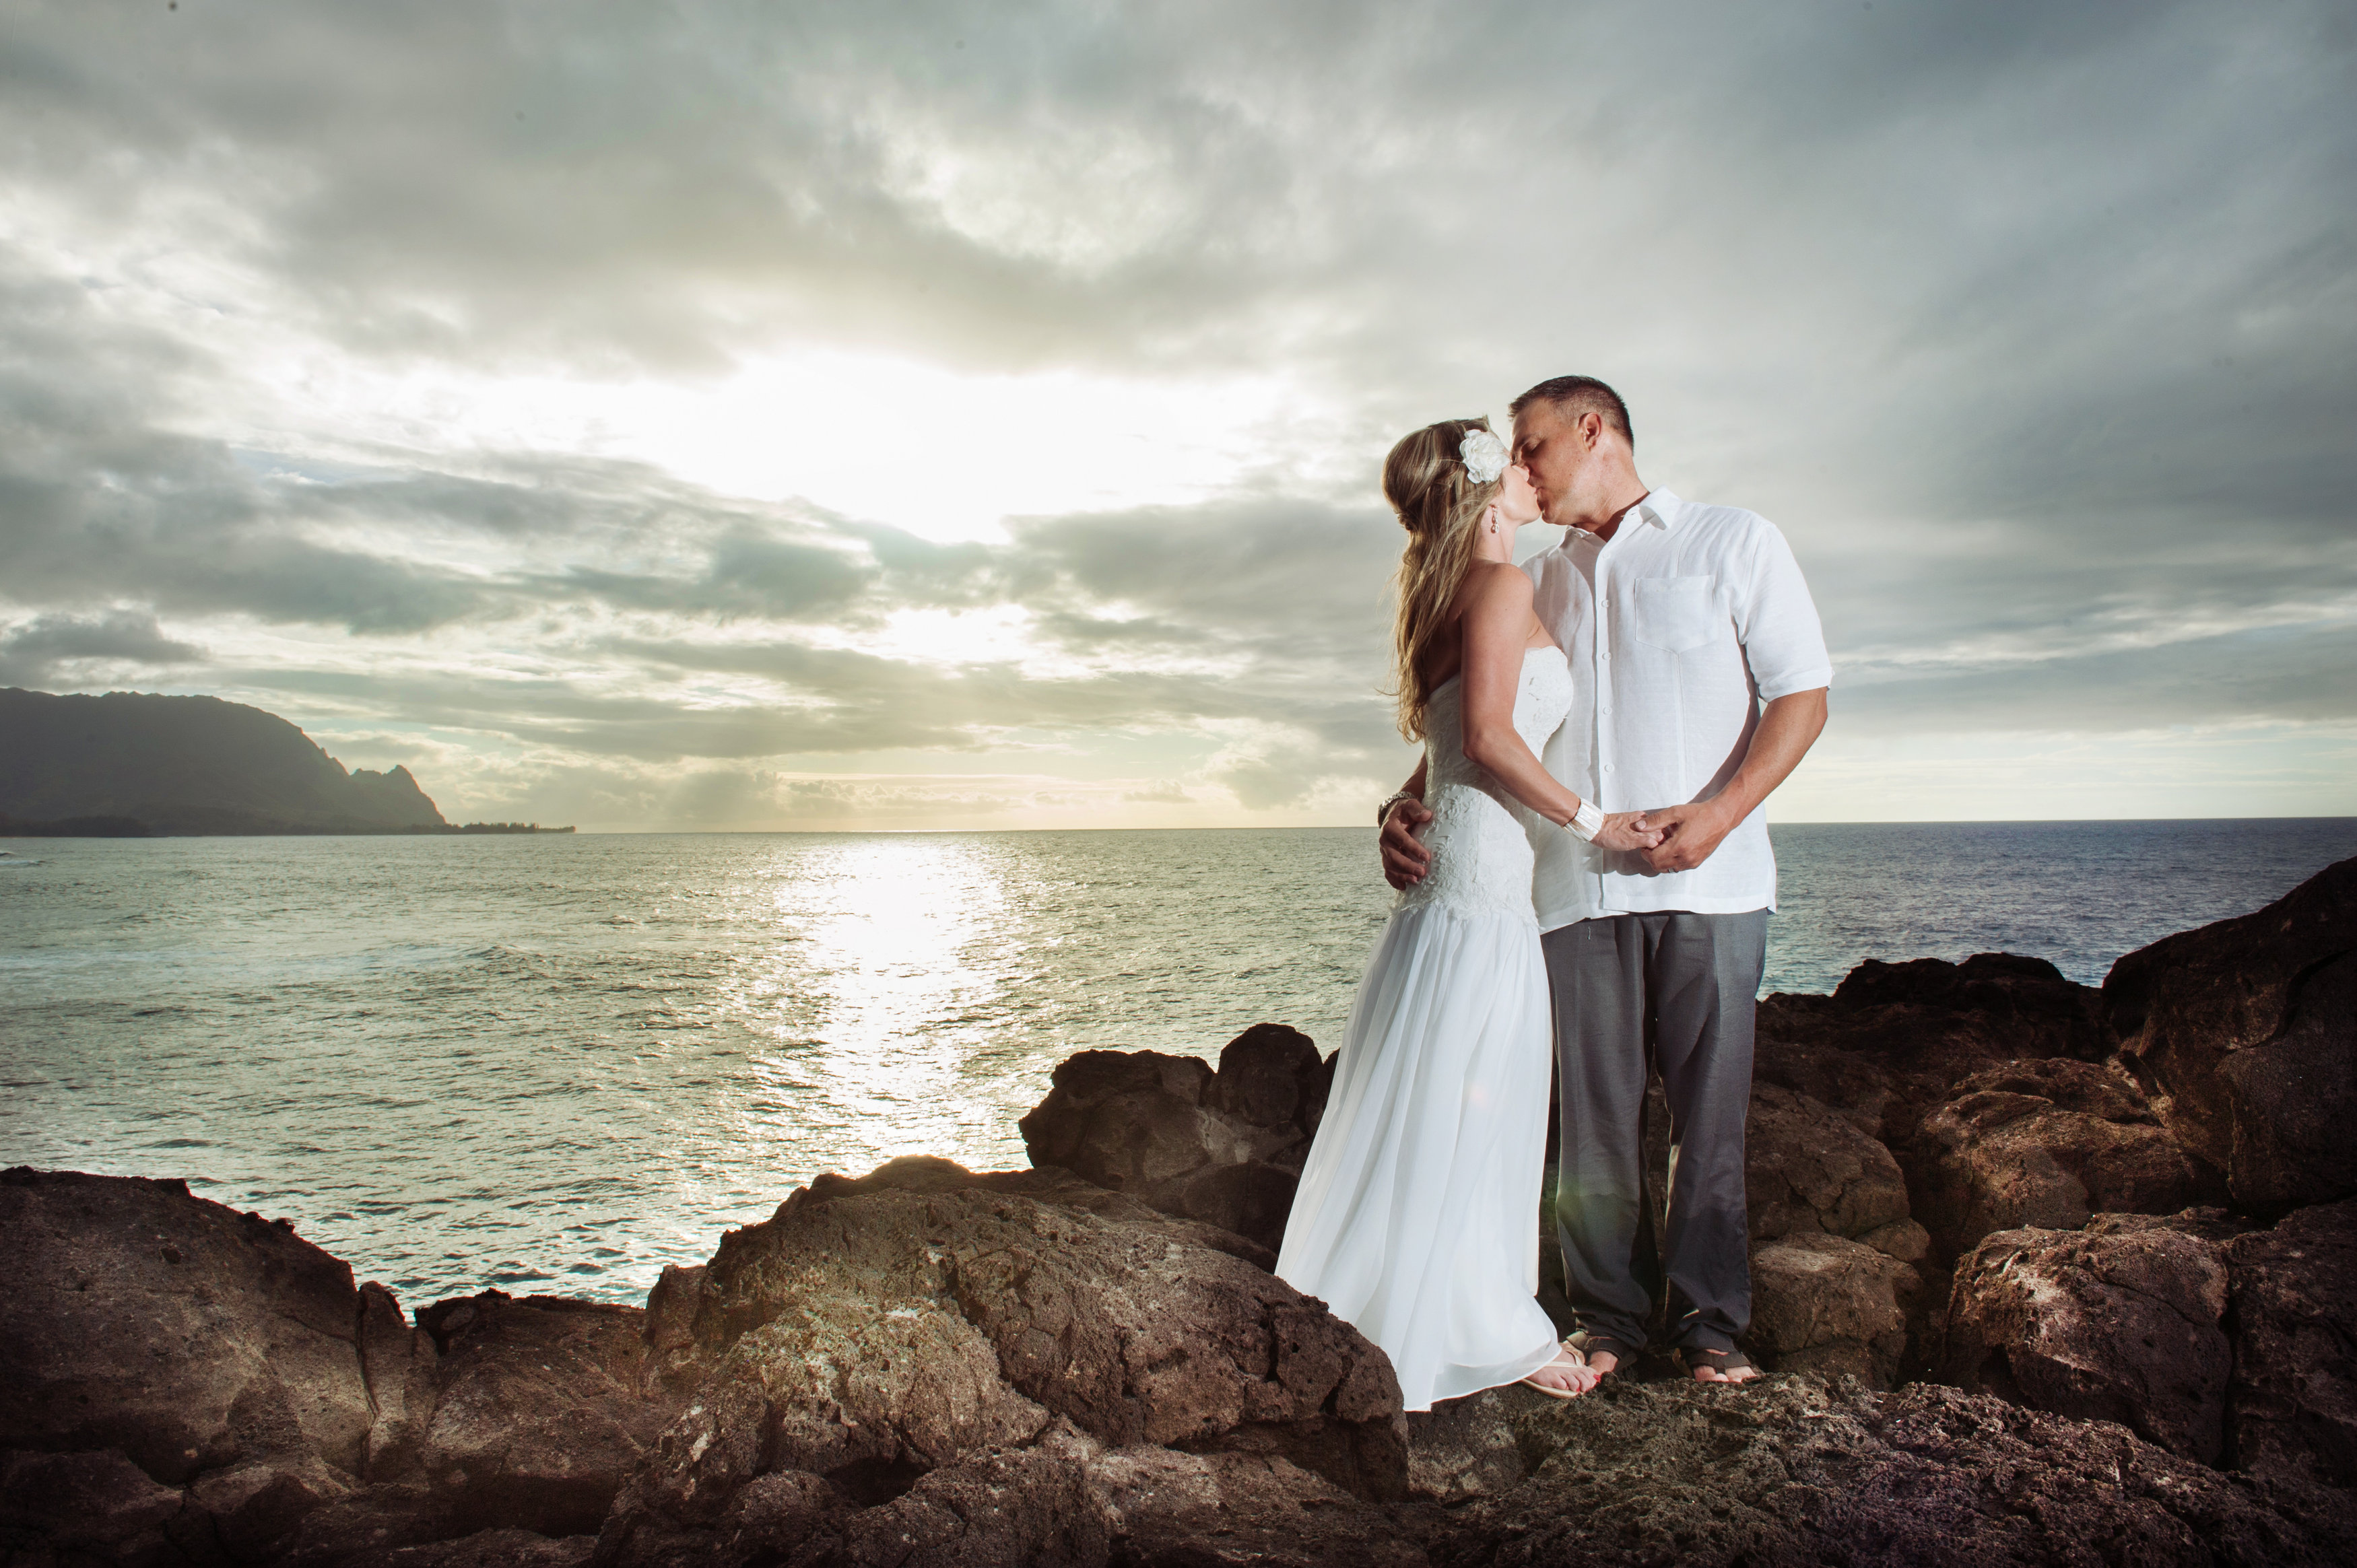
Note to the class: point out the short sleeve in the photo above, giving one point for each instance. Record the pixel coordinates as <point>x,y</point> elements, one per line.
<point>1784,641</point>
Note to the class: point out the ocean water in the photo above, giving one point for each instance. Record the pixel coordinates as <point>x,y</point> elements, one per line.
<point>558,1063</point>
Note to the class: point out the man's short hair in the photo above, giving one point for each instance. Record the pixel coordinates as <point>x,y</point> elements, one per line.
<point>1576,395</point>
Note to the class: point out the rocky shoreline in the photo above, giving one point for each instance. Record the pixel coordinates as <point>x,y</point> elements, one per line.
<point>2043,1274</point>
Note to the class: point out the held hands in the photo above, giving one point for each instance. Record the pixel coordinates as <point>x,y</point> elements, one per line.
<point>1628,830</point>
<point>1685,835</point>
<point>1405,860</point>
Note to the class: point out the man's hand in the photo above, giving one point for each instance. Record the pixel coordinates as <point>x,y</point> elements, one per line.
<point>1405,860</point>
<point>1627,830</point>
<point>1689,834</point>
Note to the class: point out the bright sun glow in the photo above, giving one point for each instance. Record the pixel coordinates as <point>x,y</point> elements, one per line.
<point>944,454</point>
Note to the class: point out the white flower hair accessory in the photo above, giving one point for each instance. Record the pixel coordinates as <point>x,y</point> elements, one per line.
<point>1484,455</point>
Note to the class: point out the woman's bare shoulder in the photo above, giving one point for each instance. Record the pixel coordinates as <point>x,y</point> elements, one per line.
<point>1491,587</point>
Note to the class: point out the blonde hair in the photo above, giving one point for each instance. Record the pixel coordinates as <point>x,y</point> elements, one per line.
<point>1440,505</point>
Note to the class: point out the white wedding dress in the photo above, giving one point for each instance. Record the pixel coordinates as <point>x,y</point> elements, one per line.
<point>1417,1220</point>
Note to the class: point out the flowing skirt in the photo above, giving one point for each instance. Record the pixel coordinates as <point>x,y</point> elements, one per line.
<point>1417,1220</point>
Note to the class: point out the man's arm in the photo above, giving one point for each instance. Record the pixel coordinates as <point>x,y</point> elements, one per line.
<point>1788,727</point>
<point>1405,860</point>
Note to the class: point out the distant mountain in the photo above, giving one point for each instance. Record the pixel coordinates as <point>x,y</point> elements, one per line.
<point>187,765</point>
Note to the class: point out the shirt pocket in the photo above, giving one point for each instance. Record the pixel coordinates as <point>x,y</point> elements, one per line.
<point>1675,614</point>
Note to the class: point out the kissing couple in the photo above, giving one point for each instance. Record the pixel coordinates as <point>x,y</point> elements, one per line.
<point>1582,857</point>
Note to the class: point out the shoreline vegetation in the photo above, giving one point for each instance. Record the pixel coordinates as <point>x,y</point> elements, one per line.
<point>2034,1265</point>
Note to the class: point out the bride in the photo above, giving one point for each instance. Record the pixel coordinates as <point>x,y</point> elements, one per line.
<point>1417,1220</point>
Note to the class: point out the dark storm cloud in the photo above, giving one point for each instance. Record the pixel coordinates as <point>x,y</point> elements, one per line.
<point>30,654</point>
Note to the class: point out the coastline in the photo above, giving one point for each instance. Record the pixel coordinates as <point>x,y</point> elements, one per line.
<point>2011,1236</point>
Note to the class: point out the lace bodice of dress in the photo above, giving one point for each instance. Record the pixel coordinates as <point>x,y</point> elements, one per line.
<point>1480,834</point>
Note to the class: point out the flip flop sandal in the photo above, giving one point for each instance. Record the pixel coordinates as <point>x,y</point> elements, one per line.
<point>1585,1345</point>
<point>1561,1359</point>
<point>1725,1363</point>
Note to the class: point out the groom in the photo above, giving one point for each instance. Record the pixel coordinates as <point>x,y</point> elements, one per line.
<point>1700,675</point>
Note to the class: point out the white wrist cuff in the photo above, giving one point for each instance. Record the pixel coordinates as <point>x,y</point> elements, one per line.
<point>1587,825</point>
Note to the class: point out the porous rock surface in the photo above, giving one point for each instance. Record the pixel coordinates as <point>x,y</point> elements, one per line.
<point>2045,1143</point>
<point>2122,1321</point>
<point>181,1382</point>
<point>539,1414</point>
<point>2245,1033</point>
<point>2293,1404</point>
<point>1832,1236</point>
<point>186,1336</point>
<point>1827,1303</point>
<point>1808,1169</point>
<point>1088,1363</point>
<point>1833,1242</point>
<point>1793,1470</point>
<point>969,1364</point>
<point>1893,1039</point>
<point>930,1367</point>
<point>1223,1147</point>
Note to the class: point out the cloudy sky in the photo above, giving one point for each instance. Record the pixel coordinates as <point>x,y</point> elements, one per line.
<point>926,416</point>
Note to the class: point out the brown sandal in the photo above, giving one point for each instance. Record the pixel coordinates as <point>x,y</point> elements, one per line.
<point>1725,1363</point>
<point>1585,1345</point>
<point>1564,1357</point>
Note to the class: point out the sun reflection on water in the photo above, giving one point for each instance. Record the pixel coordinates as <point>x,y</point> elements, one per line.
<point>870,959</point>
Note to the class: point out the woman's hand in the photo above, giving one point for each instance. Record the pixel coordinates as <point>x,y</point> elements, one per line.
<point>1627,830</point>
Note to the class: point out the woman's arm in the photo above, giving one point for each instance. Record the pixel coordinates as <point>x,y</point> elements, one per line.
<point>1496,626</point>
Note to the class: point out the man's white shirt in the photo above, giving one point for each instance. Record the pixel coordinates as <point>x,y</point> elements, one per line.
<point>1678,629</point>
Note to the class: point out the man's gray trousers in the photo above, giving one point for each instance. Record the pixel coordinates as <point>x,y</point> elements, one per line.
<point>1678,992</point>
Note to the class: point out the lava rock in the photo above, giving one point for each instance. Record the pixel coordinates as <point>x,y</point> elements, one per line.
<point>2245,1034</point>
<point>184,1335</point>
<point>539,1416</point>
<point>671,1330</point>
<point>485,1549</point>
<point>276,1412</point>
<point>1225,1148</point>
<point>999,1510</point>
<point>1894,1038</point>
<point>1465,1448</point>
<point>880,1333</point>
<point>2045,1144</point>
<point>1806,1169</point>
<point>398,1362</point>
<point>1827,1303</point>
<point>1793,1470</point>
<point>2294,1401</point>
<point>1167,1510</point>
<point>84,1507</point>
<point>2120,1321</point>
